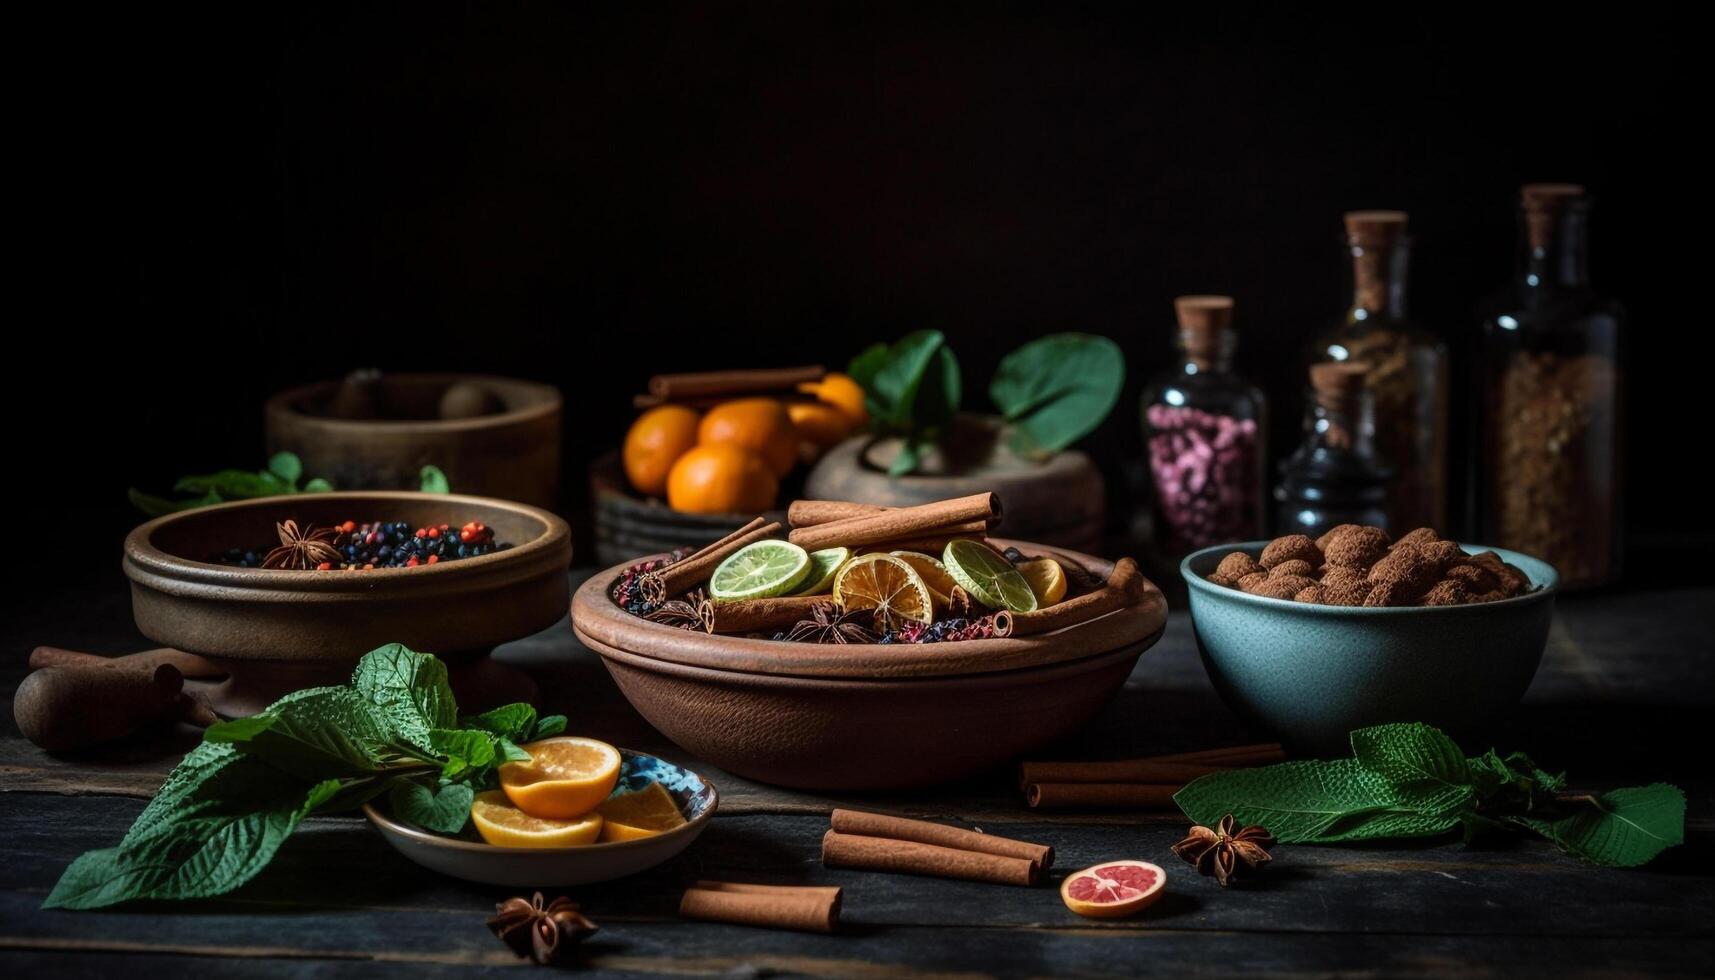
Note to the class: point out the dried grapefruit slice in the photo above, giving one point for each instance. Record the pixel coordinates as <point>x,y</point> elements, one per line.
<point>1113,889</point>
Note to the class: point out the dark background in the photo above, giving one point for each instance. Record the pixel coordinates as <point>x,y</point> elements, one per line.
<point>225,202</point>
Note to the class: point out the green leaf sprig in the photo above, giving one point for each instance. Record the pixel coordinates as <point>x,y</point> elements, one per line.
<point>281,477</point>
<point>1411,780</point>
<point>225,809</point>
<point>1051,392</point>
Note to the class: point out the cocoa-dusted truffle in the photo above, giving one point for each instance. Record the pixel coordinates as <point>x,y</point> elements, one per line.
<point>1354,546</point>
<point>1237,565</point>
<point>1293,546</point>
<point>1354,565</point>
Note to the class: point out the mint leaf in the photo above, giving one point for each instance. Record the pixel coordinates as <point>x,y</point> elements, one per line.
<point>508,751</point>
<point>443,809</point>
<point>430,479</point>
<point>157,506</point>
<point>1621,828</point>
<point>318,485</point>
<point>863,369</point>
<point>409,689</point>
<point>286,466</point>
<point>472,749</point>
<point>513,721</point>
<point>317,733</point>
<point>1057,389</point>
<point>234,484</point>
<point>548,726</point>
<point>896,381</point>
<point>1299,802</point>
<point>1427,769</point>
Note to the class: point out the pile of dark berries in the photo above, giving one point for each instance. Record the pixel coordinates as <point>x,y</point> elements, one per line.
<point>944,631</point>
<point>390,544</point>
<point>626,593</point>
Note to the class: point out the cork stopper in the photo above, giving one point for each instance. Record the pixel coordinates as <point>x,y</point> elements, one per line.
<point>1375,229</point>
<point>1543,205</point>
<point>1337,383</point>
<point>1204,322</point>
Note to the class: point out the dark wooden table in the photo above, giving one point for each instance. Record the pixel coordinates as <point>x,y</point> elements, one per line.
<point>1624,696</point>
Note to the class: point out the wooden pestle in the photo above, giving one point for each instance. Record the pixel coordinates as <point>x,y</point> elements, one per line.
<point>188,664</point>
<point>62,708</point>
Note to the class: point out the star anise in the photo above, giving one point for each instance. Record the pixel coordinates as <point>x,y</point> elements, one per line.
<point>541,933</point>
<point>690,613</point>
<point>828,624</point>
<point>1225,852</point>
<point>302,549</point>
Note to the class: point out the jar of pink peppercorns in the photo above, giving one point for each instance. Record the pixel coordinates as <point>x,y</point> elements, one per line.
<point>1204,429</point>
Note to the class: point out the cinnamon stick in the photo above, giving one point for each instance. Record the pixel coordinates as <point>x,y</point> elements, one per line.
<point>704,384</point>
<point>1119,771</point>
<point>1124,587</point>
<point>678,577</point>
<point>807,513</point>
<point>923,832</point>
<point>804,908</point>
<point>909,857</point>
<point>898,524</point>
<point>188,664</point>
<point>759,615</point>
<point>1141,795</point>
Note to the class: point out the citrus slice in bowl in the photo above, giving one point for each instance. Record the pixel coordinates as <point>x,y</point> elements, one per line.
<point>759,571</point>
<point>1113,889</point>
<point>1046,578</point>
<point>504,825</point>
<point>565,778</point>
<point>887,585</point>
<point>933,573</point>
<point>645,813</point>
<point>823,566</point>
<point>987,576</point>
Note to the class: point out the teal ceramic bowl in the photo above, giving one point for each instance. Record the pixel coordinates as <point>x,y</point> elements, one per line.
<point>1309,674</point>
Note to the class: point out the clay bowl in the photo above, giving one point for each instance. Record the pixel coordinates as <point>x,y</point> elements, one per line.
<point>869,717</point>
<point>472,859</point>
<point>276,631</point>
<point>1060,501</point>
<point>629,525</point>
<point>511,451</point>
<point>1310,674</point>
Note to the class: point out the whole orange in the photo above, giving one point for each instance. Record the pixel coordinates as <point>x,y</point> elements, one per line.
<point>759,425</point>
<point>842,392</point>
<point>721,479</point>
<point>656,441</point>
<point>819,423</point>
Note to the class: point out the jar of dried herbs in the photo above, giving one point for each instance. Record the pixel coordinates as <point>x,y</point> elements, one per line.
<point>1549,484</point>
<point>1405,368</point>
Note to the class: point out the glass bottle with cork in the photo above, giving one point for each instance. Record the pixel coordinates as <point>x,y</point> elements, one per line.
<point>1205,429</point>
<point>1335,477</point>
<point>1549,481</point>
<point>1405,367</point>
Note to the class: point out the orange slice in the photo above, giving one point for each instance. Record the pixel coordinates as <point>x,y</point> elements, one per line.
<point>645,813</point>
<point>933,573</point>
<point>504,825</point>
<point>1113,889</point>
<point>1047,579</point>
<point>566,777</point>
<point>886,584</point>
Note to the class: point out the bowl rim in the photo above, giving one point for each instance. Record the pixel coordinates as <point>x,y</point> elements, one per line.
<point>548,403</point>
<point>1544,591</point>
<point>387,824</point>
<point>146,560</point>
<point>595,617</point>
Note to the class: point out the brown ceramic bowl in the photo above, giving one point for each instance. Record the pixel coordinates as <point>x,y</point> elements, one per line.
<point>278,630</point>
<point>865,717</point>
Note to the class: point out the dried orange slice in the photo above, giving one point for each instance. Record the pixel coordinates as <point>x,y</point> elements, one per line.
<point>566,777</point>
<point>933,573</point>
<point>645,813</point>
<point>886,584</point>
<point>1047,579</point>
<point>1113,889</point>
<point>504,825</point>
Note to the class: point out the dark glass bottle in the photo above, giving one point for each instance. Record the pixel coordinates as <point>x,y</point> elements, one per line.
<point>1549,483</point>
<point>1205,430</point>
<point>1406,368</point>
<point>1335,477</point>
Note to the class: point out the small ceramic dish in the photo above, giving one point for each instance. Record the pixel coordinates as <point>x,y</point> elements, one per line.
<point>536,867</point>
<point>1309,674</point>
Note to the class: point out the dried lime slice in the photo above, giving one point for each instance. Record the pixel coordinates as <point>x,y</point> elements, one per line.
<point>760,570</point>
<point>823,565</point>
<point>987,576</point>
